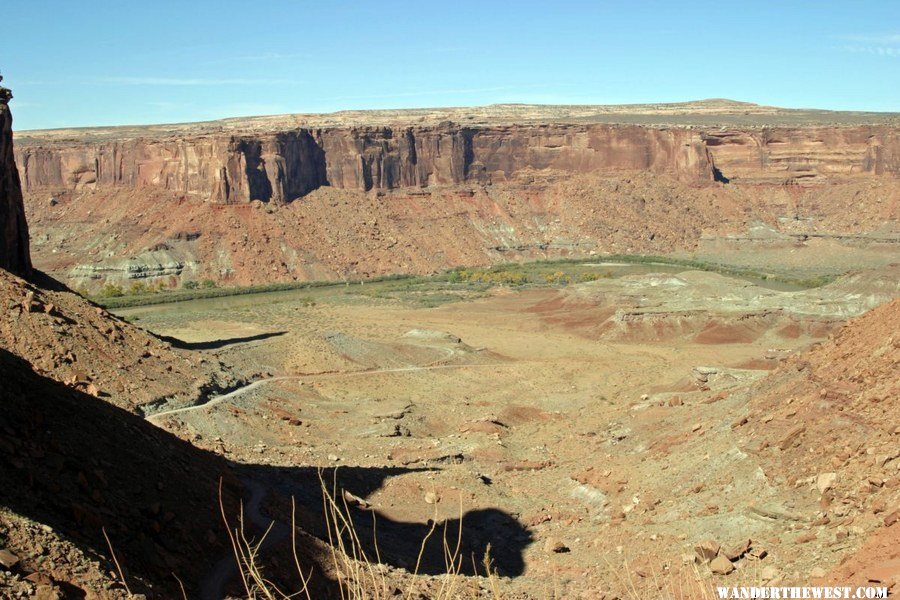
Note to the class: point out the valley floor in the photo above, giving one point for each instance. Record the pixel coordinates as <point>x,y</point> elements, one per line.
<point>591,436</point>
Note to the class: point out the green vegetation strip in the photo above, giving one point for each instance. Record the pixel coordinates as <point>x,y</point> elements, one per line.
<point>534,273</point>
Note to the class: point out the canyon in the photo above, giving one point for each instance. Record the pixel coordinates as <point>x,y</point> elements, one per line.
<point>612,425</point>
<point>361,194</point>
<point>277,165</point>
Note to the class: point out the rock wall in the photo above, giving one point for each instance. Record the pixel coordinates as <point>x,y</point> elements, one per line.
<point>283,166</point>
<point>804,155</point>
<point>14,253</point>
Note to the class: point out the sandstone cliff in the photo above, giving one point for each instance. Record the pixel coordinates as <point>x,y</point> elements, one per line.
<point>804,155</point>
<point>282,166</point>
<point>14,254</point>
<point>423,190</point>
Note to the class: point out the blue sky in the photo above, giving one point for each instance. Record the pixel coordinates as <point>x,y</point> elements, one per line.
<point>80,63</point>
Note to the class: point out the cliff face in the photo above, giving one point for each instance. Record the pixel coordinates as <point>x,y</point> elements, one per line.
<point>176,201</point>
<point>282,166</point>
<point>805,155</point>
<point>14,253</point>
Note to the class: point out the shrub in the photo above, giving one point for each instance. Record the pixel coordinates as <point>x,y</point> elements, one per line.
<point>557,278</point>
<point>208,284</point>
<point>111,291</point>
<point>190,284</point>
<point>138,288</point>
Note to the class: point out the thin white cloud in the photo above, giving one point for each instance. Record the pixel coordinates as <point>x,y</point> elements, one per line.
<point>889,39</point>
<point>875,50</point>
<point>175,81</point>
<point>874,44</point>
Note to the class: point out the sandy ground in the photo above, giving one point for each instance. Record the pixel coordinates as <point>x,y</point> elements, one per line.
<point>586,433</point>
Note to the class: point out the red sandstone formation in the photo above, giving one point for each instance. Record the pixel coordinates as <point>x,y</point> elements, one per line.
<point>14,255</point>
<point>279,159</point>
<point>282,166</point>
<point>807,155</point>
<point>451,187</point>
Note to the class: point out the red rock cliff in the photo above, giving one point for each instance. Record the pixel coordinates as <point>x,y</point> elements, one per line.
<point>14,254</point>
<point>805,155</point>
<point>282,166</point>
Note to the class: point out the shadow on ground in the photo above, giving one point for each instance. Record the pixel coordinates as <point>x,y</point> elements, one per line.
<point>79,465</point>
<point>399,542</point>
<point>216,344</point>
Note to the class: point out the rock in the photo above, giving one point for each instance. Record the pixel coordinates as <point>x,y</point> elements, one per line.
<point>8,559</point>
<point>47,592</point>
<point>707,550</point>
<point>758,553</point>
<point>721,566</point>
<point>806,537</point>
<point>892,518</point>
<point>14,246</point>
<point>825,481</point>
<point>39,578</point>
<point>817,573</point>
<point>769,574</point>
<point>738,551</point>
<point>431,498</point>
<point>354,500</point>
<point>792,436</point>
<point>555,546</point>
<point>887,573</point>
<point>347,154</point>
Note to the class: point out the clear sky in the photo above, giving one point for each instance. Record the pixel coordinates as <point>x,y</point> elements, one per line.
<point>106,62</point>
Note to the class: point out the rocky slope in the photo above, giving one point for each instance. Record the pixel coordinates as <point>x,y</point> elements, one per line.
<point>76,343</point>
<point>14,254</point>
<point>826,422</point>
<point>77,464</point>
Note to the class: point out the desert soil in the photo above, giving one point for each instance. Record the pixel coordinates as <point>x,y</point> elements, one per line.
<point>594,435</point>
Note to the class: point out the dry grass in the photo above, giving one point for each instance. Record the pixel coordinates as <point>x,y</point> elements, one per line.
<point>116,561</point>
<point>358,575</point>
<point>665,576</point>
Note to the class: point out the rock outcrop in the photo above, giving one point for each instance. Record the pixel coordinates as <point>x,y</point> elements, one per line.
<point>282,166</point>
<point>14,253</point>
<point>804,155</point>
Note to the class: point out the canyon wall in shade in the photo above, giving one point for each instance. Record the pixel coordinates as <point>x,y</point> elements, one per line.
<point>14,252</point>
